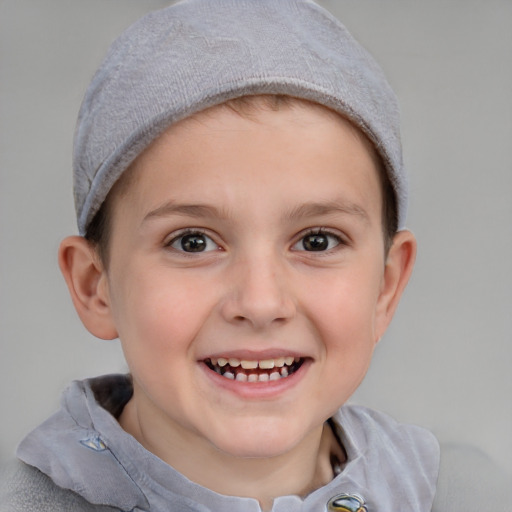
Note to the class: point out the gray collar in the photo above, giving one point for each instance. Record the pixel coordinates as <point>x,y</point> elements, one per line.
<point>83,448</point>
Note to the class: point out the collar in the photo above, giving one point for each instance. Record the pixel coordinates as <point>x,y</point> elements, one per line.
<point>392,466</point>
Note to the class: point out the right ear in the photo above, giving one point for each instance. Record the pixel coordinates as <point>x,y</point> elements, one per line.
<point>88,286</point>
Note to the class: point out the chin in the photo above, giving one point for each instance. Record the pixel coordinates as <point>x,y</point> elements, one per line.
<point>263,442</point>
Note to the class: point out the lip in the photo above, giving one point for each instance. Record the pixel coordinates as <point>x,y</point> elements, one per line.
<point>257,390</point>
<point>253,355</point>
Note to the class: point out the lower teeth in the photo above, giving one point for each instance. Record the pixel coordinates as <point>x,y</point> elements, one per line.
<point>241,376</point>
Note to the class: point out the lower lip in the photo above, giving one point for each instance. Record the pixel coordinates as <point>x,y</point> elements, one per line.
<point>257,390</point>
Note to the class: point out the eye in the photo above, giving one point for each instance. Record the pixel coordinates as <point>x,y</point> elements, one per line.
<point>193,242</point>
<point>317,241</point>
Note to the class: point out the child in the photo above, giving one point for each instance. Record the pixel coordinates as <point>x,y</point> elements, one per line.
<point>241,202</point>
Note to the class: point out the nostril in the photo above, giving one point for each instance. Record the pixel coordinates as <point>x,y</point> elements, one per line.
<point>241,318</point>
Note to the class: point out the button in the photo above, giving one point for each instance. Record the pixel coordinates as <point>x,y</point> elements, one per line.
<point>95,443</point>
<point>347,503</point>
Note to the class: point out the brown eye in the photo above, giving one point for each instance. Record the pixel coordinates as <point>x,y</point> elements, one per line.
<point>193,242</point>
<point>317,242</point>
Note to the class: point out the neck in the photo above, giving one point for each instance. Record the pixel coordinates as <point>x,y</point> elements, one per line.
<point>296,472</point>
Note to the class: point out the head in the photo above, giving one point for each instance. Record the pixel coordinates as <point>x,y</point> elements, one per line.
<point>242,233</point>
<point>246,236</point>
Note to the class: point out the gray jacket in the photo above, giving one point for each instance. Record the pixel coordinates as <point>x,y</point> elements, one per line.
<point>80,460</point>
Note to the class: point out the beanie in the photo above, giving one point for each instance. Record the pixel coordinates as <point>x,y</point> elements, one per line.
<point>195,54</point>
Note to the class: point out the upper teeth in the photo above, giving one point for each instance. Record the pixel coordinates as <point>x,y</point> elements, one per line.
<point>251,364</point>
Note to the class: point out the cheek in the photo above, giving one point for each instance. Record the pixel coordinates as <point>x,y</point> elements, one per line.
<point>344,305</point>
<point>343,311</point>
<point>160,311</point>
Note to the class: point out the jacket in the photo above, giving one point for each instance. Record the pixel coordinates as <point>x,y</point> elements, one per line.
<point>80,460</point>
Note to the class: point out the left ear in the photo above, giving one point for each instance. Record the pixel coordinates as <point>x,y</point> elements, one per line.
<point>397,270</point>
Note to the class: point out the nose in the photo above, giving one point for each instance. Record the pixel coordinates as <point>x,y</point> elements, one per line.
<point>259,294</point>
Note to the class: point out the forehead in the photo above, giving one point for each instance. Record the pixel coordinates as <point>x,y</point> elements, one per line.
<point>250,108</point>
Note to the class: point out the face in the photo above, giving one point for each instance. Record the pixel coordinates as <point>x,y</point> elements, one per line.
<point>246,276</point>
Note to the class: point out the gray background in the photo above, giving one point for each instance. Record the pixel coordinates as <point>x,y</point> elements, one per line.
<point>445,363</point>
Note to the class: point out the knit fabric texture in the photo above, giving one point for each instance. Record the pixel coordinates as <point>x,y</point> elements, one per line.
<point>199,53</point>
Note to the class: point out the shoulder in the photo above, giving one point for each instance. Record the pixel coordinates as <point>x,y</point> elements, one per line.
<point>374,428</point>
<point>24,488</point>
<point>470,480</point>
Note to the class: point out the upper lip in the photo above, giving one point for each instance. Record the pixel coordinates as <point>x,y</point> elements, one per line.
<point>254,355</point>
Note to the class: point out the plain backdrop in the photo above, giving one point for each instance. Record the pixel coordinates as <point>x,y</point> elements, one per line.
<point>445,363</point>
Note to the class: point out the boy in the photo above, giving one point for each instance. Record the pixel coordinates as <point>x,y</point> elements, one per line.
<point>239,189</point>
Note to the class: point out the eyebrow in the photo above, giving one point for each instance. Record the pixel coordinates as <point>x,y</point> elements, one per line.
<point>312,209</point>
<point>315,209</point>
<point>188,210</point>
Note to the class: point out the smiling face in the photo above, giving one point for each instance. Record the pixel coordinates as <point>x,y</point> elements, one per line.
<point>247,278</point>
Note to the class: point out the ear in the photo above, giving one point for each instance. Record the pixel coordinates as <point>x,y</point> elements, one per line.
<point>397,270</point>
<point>88,286</point>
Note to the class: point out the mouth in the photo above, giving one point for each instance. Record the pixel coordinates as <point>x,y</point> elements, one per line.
<point>253,371</point>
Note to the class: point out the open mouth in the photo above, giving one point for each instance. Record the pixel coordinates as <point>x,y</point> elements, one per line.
<point>255,371</point>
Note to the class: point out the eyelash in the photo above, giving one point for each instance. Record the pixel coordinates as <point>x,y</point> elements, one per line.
<point>339,241</point>
<point>190,232</point>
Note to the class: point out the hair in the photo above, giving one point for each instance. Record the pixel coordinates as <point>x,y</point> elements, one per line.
<point>99,230</point>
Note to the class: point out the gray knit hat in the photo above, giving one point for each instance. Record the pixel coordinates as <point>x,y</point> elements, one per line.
<point>199,53</point>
